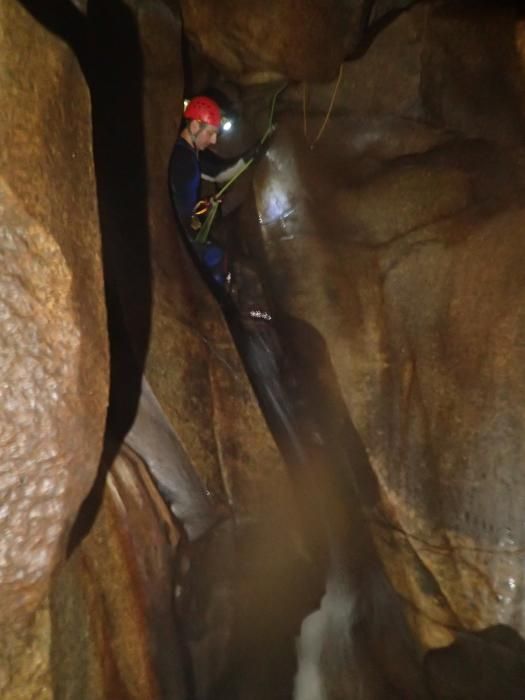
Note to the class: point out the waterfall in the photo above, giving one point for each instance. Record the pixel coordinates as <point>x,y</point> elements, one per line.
<point>325,640</point>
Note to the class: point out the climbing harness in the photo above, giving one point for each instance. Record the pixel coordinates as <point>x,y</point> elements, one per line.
<point>204,231</point>
<point>329,112</point>
<point>203,206</point>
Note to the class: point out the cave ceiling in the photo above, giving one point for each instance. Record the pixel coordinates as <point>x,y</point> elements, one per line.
<point>259,42</point>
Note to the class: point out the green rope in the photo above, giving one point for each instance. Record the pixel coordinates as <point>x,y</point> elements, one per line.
<point>204,231</point>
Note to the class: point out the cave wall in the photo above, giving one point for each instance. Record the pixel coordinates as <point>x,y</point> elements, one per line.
<point>394,243</point>
<point>54,344</point>
<point>113,631</point>
<point>390,249</point>
<point>55,369</point>
<point>90,242</point>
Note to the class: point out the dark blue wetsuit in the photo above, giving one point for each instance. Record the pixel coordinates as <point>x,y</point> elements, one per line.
<point>186,169</point>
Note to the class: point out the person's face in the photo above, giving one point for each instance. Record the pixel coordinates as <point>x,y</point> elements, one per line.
<point>204,135</point>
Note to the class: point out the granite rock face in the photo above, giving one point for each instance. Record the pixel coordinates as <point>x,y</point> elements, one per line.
<point>83,189</point>
<point>389,238</point>
<point>191,362</point>
<point>261,42</point>
<point>111,609</point>
<point>396,238</point>
<point>54,345</point>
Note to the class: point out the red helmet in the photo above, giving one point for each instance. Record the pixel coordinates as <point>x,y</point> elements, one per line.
<point>204,109</point>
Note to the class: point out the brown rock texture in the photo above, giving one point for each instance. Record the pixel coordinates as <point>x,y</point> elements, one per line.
<point>393,250</point>
<point>54,349</point>
<point>55,373</point>
<point>481,47</point>
<point>192,364</point>
<point>24,657</point>
<point>261,41</point>
<point>107,629</point>
<point>111,608</point>
<point>401,246</point>
<point>455,66</point>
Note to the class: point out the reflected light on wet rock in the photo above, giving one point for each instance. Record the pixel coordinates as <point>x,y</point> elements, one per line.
<point>257,313</point>
<point>276,206</point>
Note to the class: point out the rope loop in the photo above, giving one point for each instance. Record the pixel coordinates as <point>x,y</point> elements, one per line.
<point>329,112</point>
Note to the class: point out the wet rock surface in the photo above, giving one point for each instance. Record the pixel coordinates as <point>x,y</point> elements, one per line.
<point>162,321</point>
<point>242,591</point>
<point>385,240</point>
<point>399,244</point>
<point>166,316</point>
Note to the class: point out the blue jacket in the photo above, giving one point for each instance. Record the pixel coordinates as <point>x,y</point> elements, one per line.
<point>186,169</point>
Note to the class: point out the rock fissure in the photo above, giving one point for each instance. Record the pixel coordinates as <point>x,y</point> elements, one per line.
<point>450,547</point>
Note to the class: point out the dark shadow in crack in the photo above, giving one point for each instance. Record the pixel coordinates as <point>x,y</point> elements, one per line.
<point>107,45</point>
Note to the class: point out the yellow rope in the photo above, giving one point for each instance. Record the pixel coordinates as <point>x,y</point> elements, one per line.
<point>329,112</point>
